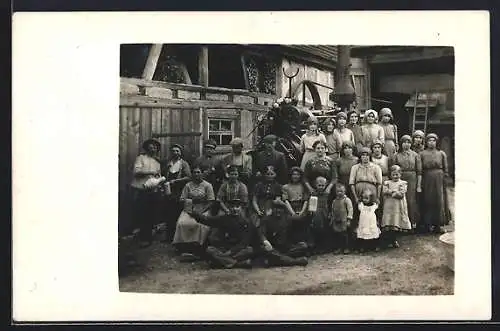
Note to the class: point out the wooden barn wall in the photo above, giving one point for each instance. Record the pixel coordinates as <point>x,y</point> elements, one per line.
<point>308,72</point>
<point>360,74</point>
<point>140,124</point>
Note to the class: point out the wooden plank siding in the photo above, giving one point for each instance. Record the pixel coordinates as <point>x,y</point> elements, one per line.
<point>175,121</point>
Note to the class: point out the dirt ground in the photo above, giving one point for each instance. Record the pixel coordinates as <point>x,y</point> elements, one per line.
<point>416,268</point>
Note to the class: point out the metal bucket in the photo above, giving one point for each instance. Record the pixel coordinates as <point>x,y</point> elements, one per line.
<point>447,241</point>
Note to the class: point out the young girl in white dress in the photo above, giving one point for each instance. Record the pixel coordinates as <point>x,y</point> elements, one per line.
<point>367,231</point>
<point>395,217</point>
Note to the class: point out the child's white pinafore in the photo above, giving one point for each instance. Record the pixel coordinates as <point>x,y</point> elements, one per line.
<point>367,227</point>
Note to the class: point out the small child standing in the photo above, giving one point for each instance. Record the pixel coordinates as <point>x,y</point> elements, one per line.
<point>340,223</point>
<point>395,216</point>
<point>320,214</point>
<point>367,231</point>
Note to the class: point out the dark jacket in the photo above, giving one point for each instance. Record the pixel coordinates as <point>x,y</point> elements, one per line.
<point>277,160</point>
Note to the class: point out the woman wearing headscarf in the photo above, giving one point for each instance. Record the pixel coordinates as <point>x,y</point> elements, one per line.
<point>147,197</point>
<point>356,129</point>
<point>177,172</point>
<point>390,132</point>
<point>371,130</point>
<point>411,171</point>
<point>434,171</point>
<point>418,141</point>
<point>242,161</point>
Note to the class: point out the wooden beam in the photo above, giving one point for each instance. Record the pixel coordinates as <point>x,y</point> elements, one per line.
<point>140,101</point>
<point>176,134</point>
<point>185,73</point>
<point>245,73</point>
<point>203,66</point>
<point>425,54</point>
<point>186,87</point>
<point>152,61</point>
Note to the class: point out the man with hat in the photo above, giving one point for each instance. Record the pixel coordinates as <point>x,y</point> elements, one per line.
<point>209,164</point>
<point>269,156</point>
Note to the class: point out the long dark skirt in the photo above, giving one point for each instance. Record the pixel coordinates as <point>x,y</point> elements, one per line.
<point>411,197</point>
<point>435,199</point>
<point>146,213</point>
<point>275,229</point>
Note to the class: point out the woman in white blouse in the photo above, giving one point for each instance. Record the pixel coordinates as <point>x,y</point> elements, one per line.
<point>146,167</point>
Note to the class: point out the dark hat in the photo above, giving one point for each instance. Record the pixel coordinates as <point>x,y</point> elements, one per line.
<point>269,138</point>
<point>151,141</point>
<point>232,167</point>
<point>210,143</point>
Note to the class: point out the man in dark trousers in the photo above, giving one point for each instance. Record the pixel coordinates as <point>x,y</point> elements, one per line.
<point>251,243</point>
<point>271,157</point>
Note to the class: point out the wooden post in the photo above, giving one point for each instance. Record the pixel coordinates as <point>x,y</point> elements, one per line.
<point>185,73</point>
<point>152,61</point>
<point>203,66</point>
<point>245,73</point>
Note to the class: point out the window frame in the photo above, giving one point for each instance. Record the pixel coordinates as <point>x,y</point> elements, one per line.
<point>221,132</point>
<point>224,115</point>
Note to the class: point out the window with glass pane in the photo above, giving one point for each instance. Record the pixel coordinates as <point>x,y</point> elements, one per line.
<point>221,130</point>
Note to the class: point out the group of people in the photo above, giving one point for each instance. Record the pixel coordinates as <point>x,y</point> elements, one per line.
<point>356,189</point>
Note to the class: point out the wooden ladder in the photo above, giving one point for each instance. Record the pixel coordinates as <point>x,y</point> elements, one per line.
<point>420,115</point>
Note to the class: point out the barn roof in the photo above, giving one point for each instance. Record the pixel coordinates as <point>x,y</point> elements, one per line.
<point>322,55</point>
<point>325,52</point>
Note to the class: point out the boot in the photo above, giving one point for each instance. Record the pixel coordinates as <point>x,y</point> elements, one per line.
<point>217,258</point>
<point>297,250</point>
<point>243,254</point>
<point>277,259</point>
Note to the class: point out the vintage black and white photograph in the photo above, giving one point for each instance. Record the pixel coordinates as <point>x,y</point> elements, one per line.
<point>251,166</point>
<point>286,169</point>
